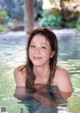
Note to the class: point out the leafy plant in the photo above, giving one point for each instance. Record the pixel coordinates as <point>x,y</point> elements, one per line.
<point>74,25</point>
<point>2,28</point>
<point>78,25</point>
<point>3,15</point>
<point>51,20</point>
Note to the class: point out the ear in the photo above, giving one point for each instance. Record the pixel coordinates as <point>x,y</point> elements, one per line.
<point>52,54</point>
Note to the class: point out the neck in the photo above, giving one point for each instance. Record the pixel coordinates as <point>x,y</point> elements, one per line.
<point>42,71</point>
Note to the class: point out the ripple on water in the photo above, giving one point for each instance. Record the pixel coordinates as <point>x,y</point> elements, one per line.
<point>12,53</point>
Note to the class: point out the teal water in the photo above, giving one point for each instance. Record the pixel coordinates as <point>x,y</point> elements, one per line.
<point>69,54</point>
<point>12,54</point>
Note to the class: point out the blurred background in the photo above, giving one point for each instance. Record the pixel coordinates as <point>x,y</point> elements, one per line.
<point>17,19</point>
<point>60,13</point>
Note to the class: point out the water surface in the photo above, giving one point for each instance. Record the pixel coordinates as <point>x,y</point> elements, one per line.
<point>12,54</point>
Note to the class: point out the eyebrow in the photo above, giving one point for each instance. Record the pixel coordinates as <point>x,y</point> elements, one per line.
<point>40,44</point>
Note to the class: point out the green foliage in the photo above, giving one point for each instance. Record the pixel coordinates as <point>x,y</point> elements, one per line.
<point>3,15</point>
<point>2,28</point>
<point>78,24</point>
<point>74,25</point>
<point>51,20</point>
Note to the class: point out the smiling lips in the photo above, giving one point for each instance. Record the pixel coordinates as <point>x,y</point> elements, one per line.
<point>37,57</point>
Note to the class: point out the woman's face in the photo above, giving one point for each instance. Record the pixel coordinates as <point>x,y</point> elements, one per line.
<point>40,50</point>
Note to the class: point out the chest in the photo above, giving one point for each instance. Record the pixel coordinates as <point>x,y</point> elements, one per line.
<point>41,80</point>
<point>45,81</point>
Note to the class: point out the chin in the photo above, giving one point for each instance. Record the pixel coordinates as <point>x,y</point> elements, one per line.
<point>37,65</point>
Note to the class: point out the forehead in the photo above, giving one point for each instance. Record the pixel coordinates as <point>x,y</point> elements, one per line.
<point>40,38</point>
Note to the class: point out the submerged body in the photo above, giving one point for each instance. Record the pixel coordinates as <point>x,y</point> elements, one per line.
<point>40,99</point>
<point>37,79</point>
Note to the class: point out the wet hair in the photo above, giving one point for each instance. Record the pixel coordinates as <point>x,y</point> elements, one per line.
<point>51,37</point>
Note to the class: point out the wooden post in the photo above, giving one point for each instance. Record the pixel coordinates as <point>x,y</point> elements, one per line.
<point>29,15</point>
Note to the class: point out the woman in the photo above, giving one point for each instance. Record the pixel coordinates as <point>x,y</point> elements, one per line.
<point>41,71</point>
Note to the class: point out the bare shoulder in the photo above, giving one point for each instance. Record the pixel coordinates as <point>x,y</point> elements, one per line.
<point>20,67</point>
<point>18,70</point>
<point>61,72</point>
<point>19,75</point>
<point>63,80</point>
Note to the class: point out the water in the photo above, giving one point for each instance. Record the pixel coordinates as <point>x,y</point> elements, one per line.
<point>11,49</point>
<point>69,48</point>
<point>69,54</point>
<point>12,54</point>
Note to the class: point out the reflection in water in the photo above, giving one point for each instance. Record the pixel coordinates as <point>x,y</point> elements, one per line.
<point>41,98</point>
<point>12,52</point>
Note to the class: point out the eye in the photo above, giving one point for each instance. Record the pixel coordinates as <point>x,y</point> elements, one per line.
<point>43,47</point>
<point>32,46</point>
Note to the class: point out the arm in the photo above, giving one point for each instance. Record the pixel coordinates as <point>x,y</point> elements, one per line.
<point>19,77</point>
<point>64,83</point>
<point>44,96</point>
<point>20,84</point>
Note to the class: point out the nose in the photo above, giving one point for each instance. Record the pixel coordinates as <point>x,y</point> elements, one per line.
<point>37,51</point>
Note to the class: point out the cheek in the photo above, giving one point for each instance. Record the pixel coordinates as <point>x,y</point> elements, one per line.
<point>43,52</point>
<point>46,53</point>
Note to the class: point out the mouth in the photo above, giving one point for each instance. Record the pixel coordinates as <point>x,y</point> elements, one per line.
<point>37,57</point>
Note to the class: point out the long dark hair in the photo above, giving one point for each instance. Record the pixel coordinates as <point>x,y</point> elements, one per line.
<point>51,37</point>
